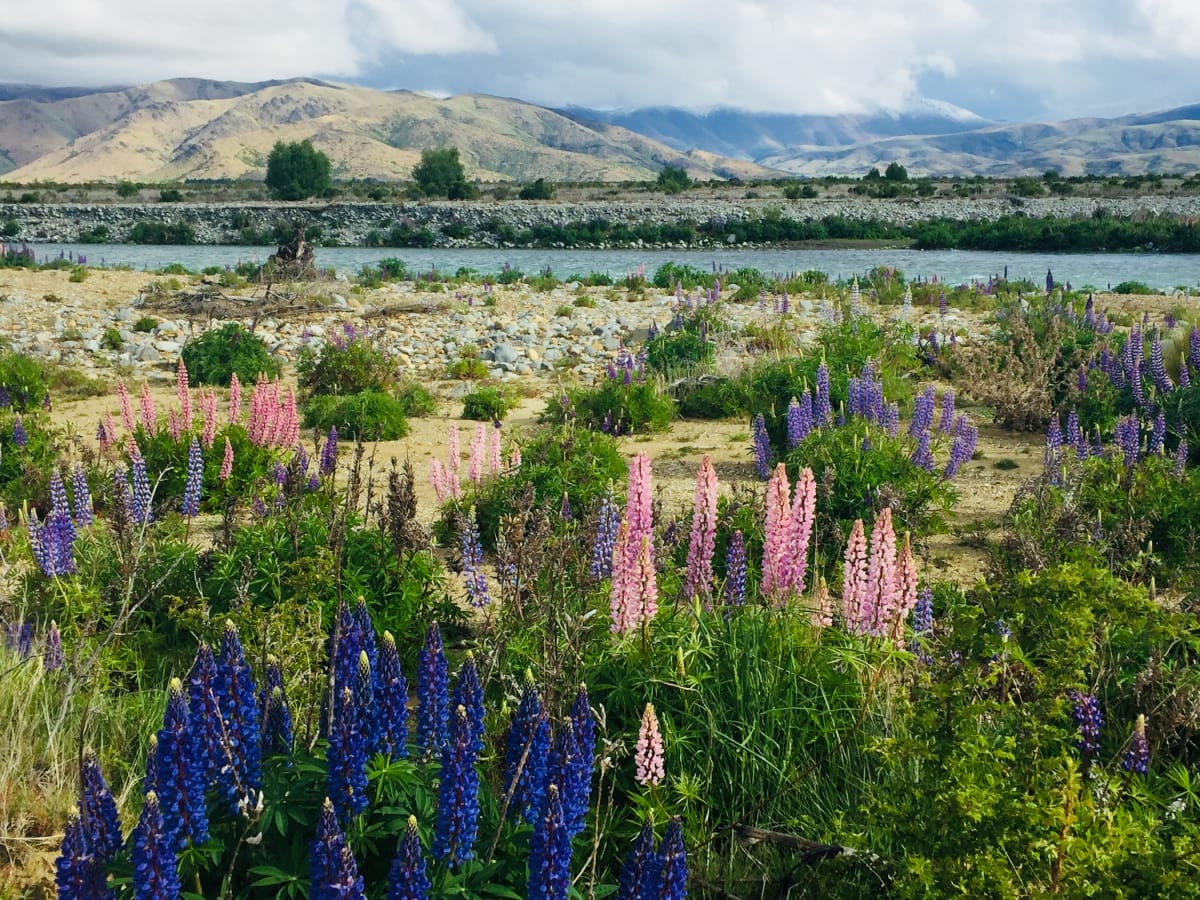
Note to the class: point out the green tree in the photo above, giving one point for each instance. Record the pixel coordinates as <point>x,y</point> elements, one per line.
<point>872,175</point>
<point>538,190</point>
<point>127,189</point>
<point>673,179</point>
<point>297,170</point>
<point>895,172</point>
<point>440,174</point>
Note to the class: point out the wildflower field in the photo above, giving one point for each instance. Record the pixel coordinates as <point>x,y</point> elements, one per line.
<point>240,659</point>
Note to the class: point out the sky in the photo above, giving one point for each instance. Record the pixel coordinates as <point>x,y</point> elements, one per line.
<point>1003,59</point>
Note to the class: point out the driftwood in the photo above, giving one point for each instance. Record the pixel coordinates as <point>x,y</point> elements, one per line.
<point>293,260</point>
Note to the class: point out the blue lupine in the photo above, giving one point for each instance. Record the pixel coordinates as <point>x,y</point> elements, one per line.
<point>407,879</point>
<point>1158,369</point>
<point>735,570</point>
<point>673,862</point>
<point>393,699</point>
<point>83,497</point>
<point>180,773</point>
<point>346,758</point>
<point>1181,458</point>
<point>607,523</point>
<point>62,543</point>
<point>1128,435</point>
<point>585,729</point>
<point>566,771</point>
<point>78,875</point>
<point>52,655</point>
<point>155,866</point>
<point>344,646</point>
<point>139,493</point>
<point>641,874</point>
<point>468,693</point>
<point>5,397</point>
<point>527,753</point>
<point>458,794</point>
<point>333,873</point>
<point>277,726</point>
<point>947,417</point>
<point>922,455</point>
<point>550,852</point>
<point>204,712</point>
<point>795,424</point>
<point>195,480</point>
<point>1090,720</point>
<point>922,417</point>
<point>762,448</point>
<point>1158,434</point>
<point>471,551</point>
<point>433,693</point>
<point>1074,435</point>
<point>272,678</point>
<point>1137,757</point>
<point>98,812</point>
<point>59,504</point>
<point>19,436</point>
<point>236,695</point>
<point>962,448</point>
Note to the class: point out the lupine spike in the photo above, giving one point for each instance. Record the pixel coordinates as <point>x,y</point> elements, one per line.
<point>393,699</point>
<point>204,712</point>
<point>52,656</point>
<point>648,754</point>
<point>180,773</point>
<point>1137,757</point>
<point>98,812</point>
<point>347,759</point>
<point>468,693</point>
<point>550,851</point>
<point>641,874</point>
<point>78,874</point>
<point>458,795</point>
<point>433,693</point>
<point>407,880</point>
<point>673,863</point>
<point>155,867</point>
<point>527,754</point>
<point>195,478</point>
<point>333,873</point>
<point>236,695</point>
<point>698,582</point>
<point>735,570</point>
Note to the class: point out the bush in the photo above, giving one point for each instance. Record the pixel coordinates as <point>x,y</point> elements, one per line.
<point>169,195</point>
<point>468,366</point>
<point>297,170</point>
<point>127,189</point>
<point>365,416</point>
<point>615,406</point>
<point>1133,287</point>
<point>213,357</point>
<point>488,404</point>
<point>348,362</point>
<point>162,233</point>
<point>537,190</point>
<point>673,180</point>
<point>686,342</point>
<point>414,398</point>
<point>440,174</point>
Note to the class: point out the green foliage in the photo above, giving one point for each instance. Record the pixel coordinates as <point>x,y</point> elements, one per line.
<point>162,233</point>
<point>25,471</point>
<point>414,398</point>
<point>614,406</point>
<point>712,398</point>
<point>127,189</point>
<point>214,356</point>
<point>673,180</point>
<point>537,190</point>
<point>1133,287</point>
<point>296,170</point>
<point>349,362</point>
<point>685,345</point>
<point>170,195</point>
<point>488,404</point>
<point>366,416</point>
<point>145,324</point>
<point>895,172</point>
<point>468,366</point>
<point>111,339</point>
<point>796,191</point>
<point>10,228</point>
<point>440,174</point>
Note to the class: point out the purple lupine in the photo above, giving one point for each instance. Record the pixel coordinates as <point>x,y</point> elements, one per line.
<point>584,728</point>
<point>204,712</point>
<point>1158,434</point>
<point>471,551</point>
<point>1049,281</point>
<point>468,693</point>
<point>52,655</point>
<point>795,424</point>
<point>180,772</point>
<point>1054,442</point>
<point>550,851</point>
<point>1137,757</point>
<point>1089,720</point>
<point>407,879</point>
<point>333,874</point>
<point>82,497</point>
<point>98,812</point>
<point>277,731</point>
<point>566,771</point>
<point>153,854</point>
<point>947,417</point>
<point>641,873</point>
<point>1181,458</point>
<point>526,754</point>
<point>195,480</point>
<point>607,522</point>
<point>235,692</point>
<point>20,437</point>
<point>1074,436</point>
<point>823,408</point>
<point>762,448</point>
<point>345,645</point>
<point>458,794</point>
<point>735,570</point>
<point>346,758</point>
<point>139,494</point>
<point>392,700</point>
<point>922,417</point>
<point>366,642</point>
<point>63,543</point>
<point>672,858</point>
<point>1158,369</point>
<point>60,506</point>
<point>962,448</point>
<point>1193,354</point>
<point>922,623</point>
<point>78,874</point>
<point>1128,435</point>
<point>433,693</point>
<point>922,455</point>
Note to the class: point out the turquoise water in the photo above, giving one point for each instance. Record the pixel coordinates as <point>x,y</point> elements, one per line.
<point>1099,270</point>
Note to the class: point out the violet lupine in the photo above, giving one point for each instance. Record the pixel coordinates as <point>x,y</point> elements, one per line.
<point>333,874</point>
<point>471,551</point>
<point>735,570</point>
<point>59,504</point>
<point>1181,458</point>
<point>799,532</point>
<point>1137,757</point>
<point>1128,435</point>
<point>648,752</point>
<point>52,655</point>
<point>392,699</point>
<point>407,879</point>
<point>275,717</point>
<point>962,447</point>
<point>140,511</point>
<point>672,863</point>
<point>458,795</point>
<point>1158,369</point>
<point>702,541</point>
<point>922,619</point>
<point>468,693</point>
<point>180,774</point>
<point>922,417</point>
<point>433,693</point>
<point>78,874</point>
<point>195,480</point>
<point>608,520</point>
<point>347,756</point>
<point>550,851</point>
<point>526,755</point>
<point>879,602</point>
<point>82,497</point>
<point>1074,435</point>
<point>775,534</point>
<point>204,713</point>
<point>153,854</point>
<point>236,697</point>
<point>854,578</point>
<point>226,469</point>
<point>1090,720</point>
<point>922,455</point>
<point>795,424</point>
<point>98,812</point>
<point>1185,378</point>
<point>762,447</point>
<point>20,437</point>
<point>640,875</point>
<point>149,416</point>
<point>946,421</point>
<point>566,771</point>
<point>823,406</point>
<point>1158,434</point>
<point>235,399</point>
<point>127,419</point>
<point>1054,442</point>
<point>328,461</point>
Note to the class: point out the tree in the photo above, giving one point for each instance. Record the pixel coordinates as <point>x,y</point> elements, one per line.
<point>538,190</point>
<point>297,170</point>
<point>872,175</point>
<point>440,174</point>
<point>673,179</point>
<point>895,172</point>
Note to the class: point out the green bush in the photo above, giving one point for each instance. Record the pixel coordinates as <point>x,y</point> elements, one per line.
<point>1133,287</point>
<point>615,407</point>
<point>347,362</point>
<point>685,344</point>
<point>296,170</point>
<point>366,416</point>
<point>488,404</point>
<point>127,189</point>
<point>162,233</point>
<point>537,190</point>
<point>169,195</point>
<point>712,398</point>
<point>213,357</point>
<point>673,179</point>
<point>468,366</point>
<point>440,174</point>
<point>414,398</point>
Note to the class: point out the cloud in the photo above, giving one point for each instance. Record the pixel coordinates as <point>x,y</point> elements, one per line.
<point>1026,58</point>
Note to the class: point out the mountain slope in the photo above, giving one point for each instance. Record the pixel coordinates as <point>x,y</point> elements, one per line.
<point>192,128</point>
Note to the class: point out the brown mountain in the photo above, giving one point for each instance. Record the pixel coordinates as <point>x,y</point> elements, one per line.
<point>198,129</point>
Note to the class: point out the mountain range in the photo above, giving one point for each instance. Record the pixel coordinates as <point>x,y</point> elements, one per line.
<point>189,128</point>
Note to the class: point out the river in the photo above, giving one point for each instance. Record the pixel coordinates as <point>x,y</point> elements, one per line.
<point>1097,270</point>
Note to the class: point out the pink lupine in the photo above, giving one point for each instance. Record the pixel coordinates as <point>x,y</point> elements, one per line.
<point>226,462</point>
<point>289,422</point>
<point>648,755</point>
<point>126,407</point>
<point>647,582</point>
<point>149,416</point>
<point>208,410</point>
<point>514,457</point>
<point>454,452</point>
<point>254,426</point>
<point>622,588</point>
<point>439,480</point>
<point>638,497</point>
<point>478,440</point>
<point>906,589</point>
<point>703,538</point>
<point>108,432</point>
<point>235,399</point>
<point>184,395</point>
<point>775,535</point>
<point>879,602</point>
<point>174,425</point>
<point>800,526</point>
<point>495,459</point>
<point>822,614</point>
<point>854,578</point>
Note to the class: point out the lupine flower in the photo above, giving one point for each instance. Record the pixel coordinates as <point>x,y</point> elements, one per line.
<point>392,700</point>
<point>879,601</point>
<point>204,713</point>
<point>962,447</point>
<point>641,874</point>
<point>180,772</point>
<point>1158,369</point>
<point>454,453</point>
<point>276,717</point>
<point>566,771</point>
<point>550,852</point>
<point>478,449</point>
<point>433,693</point>
<point>208,409</point>
<point>347,758</point>
<point>471,551</point>
<point>922,417</point>
<point>698,582</point>
<point>1158,434</point>
<point>235,692</point>
<point>735,570</point>
<point>922,455</point>
<point>126,407</point>
<point>226,462</point>
<point>1137,757</point>
<point>155,867</point>
<point>775,533</point>
<point>1128,435</point>
<point>195,479</point>
<point>59,504</point>
<point>648,755</point>
<point>333,874</point>
<point>52,656</point>
<point>458,794</point>
<point>83,497</point>
<point>20,437</point>
<point>527,754</point>
<point>495,458</point>
<point>235,399</point>
<point>345,643</point>
<point>854,578</point>
<point>140,512</point>
<point>762,448</point>
<point>328,463</point>
<point>1090,720</point>
<point>149,416</point>
<point>468,693</point>
<point>1181,458</point>
<point>407,879</point>
<point>799,532</point>
<point>795,424</point>
<point>98,812</point>
<point>607,522</point>
<point>78,874</point>
<point>922,616</point>
<point>947,417</point>
<point>673,863</point>
<point>823,409</point>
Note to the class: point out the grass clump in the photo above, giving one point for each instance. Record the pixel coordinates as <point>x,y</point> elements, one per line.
<point>366,416</point>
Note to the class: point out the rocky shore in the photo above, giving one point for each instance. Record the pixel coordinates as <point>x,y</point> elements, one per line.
<point>486,223</point>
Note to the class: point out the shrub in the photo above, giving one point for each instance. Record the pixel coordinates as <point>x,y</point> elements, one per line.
<point>98,234</point>
<point>686,343</point>
<point>537,190</point>
<point>1133,287</point>
<point>488,404</point>
<point>297,170</point>
<point>146,324</point>
<point>127,189</point>
<point>366,416</point>
<point>468,366</point>
<point>162,233</point>
<point>213,357</point>
<point>347,362</point>
<point>440,174</point>
<point>673,179</point>
<point>414,398</point>
<point>615,406</point>
<point>169,195</point>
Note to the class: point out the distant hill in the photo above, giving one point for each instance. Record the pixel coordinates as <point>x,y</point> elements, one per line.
<point>199,129</point>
